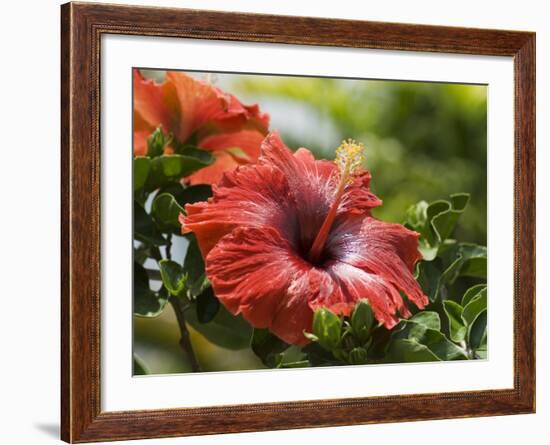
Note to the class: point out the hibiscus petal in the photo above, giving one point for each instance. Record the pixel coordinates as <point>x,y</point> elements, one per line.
<point>254,272</point>
<point>152,104</point>
<point>358,198</point>
<point>388,250</point>
<point>249,196</point>
<point>356,284</point>
<point>140,143</point>
<point>247,141</point>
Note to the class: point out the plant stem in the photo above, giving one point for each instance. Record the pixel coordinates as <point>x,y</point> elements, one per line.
<point>169,248</point>
<point>185,340</point>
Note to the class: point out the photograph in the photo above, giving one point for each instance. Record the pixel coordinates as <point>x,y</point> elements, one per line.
<point>288,221</point>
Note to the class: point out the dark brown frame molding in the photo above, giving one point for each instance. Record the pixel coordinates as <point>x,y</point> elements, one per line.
<point>82,25</point>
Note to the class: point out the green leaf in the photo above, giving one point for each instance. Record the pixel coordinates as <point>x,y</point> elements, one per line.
<point>444,220</point>
<point>268,347</point>
<point>327,326</point>
<point>457,325</point>
<point>142,166</point>
<point>362,321</point>
<point>173,277</point>
<point>194,266</point>
<point>423,328</point>
<point>454,260</point>
<point>441,346</point>
<point>414,327</point>
<point>410,351</point>
<point>475,307</point>
<point>171,168</point>
<point>195,193</point>
<point>474,260</point>
<point>478,332</point>
<point>429,319</point>
<point>472,292</point>
<point>145,229</point>
<point>435,222</point>
<point>225,329</point>
<point>165,211</point>
<point>146,302</point>
<point>139,366</point>
<point>187,195</point>
<point>207,305</point>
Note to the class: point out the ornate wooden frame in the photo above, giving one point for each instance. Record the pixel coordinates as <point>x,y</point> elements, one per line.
<point>81,28</point>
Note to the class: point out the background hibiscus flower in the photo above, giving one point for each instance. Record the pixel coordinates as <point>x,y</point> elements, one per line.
<point>194,111</point>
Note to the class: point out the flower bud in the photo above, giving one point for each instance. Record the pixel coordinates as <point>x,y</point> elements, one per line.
<point>362,320</point>
<point>358,356</point>
<point>327,327</point>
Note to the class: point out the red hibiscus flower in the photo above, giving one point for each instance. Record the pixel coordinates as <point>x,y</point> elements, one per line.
<point>292,234</point>
<point>185,107</point>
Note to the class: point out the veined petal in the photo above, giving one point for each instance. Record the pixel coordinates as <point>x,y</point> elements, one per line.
<point>230,150</point>
<point>249,196</point>
<point>202,104</point>
<point>355,284</point>
<point>358,198</point>
<point>254,272</point>
<point>388,250</point>
<point>140,143</point>
<point>153,104</point>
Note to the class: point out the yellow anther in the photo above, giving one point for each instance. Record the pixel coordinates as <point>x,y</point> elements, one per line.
<point>349,157</point>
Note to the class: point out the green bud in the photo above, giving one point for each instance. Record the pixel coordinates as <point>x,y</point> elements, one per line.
<point>327,327</point>
<point>358,356</point>
<point>362,321</point>
<point>341,355</point>
<point>155,143</point>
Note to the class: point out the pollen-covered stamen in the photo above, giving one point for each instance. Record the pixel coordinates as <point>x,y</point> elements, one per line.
<point>349,158</point>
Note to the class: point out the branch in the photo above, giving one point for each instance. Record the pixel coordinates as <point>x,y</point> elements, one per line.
<point>185,340</point>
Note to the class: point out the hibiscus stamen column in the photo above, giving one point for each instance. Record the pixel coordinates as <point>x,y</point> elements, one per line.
<point>349,157</point>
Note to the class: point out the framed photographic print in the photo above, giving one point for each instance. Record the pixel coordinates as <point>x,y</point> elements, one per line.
<point>274,222</point>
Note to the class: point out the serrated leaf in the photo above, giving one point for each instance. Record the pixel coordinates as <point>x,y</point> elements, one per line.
<point>457,325</point>
<point>165,211</point>
<point>173,277</point>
